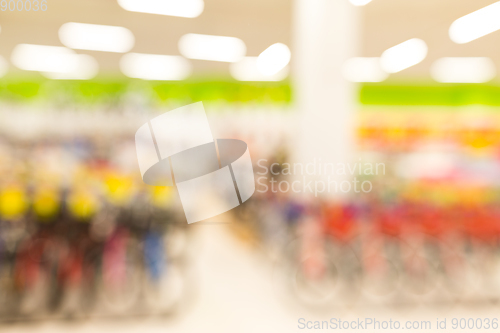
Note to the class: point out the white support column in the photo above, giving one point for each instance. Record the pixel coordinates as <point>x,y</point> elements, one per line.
<point>325,35</point>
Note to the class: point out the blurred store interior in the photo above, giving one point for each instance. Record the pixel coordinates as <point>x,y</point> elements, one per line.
<point>400,98</point>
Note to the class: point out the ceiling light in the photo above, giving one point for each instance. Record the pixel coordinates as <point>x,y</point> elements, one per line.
<point>214,48</point>
<point>43,58</point>
<point>404,55</point>
<point>463,70</point>
<point>181,8</point>
<point>247,70</point>
<point>476,24</point>
<point>54,61</point>
<point>85,69</point>
<point>363,70</point>
<point>154,66</point>
<point>96,37</point>
<point>273,59</point>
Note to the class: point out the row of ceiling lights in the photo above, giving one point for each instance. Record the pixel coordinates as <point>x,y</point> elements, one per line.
<point>411,52</point>
<point>57,62</point>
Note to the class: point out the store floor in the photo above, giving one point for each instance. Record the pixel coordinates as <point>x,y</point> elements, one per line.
<point>235,294</point>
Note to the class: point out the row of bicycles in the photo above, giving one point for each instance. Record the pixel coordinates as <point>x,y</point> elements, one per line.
<point>400,252</point>
<point>100,245</point>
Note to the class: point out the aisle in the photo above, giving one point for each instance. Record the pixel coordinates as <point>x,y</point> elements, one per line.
<point>236,295</point>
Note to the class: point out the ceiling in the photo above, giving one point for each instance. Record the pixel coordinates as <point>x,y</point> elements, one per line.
<point>259,23</point>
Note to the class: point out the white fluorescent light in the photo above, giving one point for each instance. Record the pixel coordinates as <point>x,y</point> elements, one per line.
<point>404,55</point>
<point>214,48</point>
<point>363,70</point>
<point>247,70</point>
<point>54,61</point>
<point>42,58</point>
<point>96,37</point>
<point>86,67</point>
<point>181,8</point>
<point>476,24</point>
<point>4,66</point>
<point>463,70</point>
<point>154,66</point>
<point>360,2</point>
<point>273,59</point>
